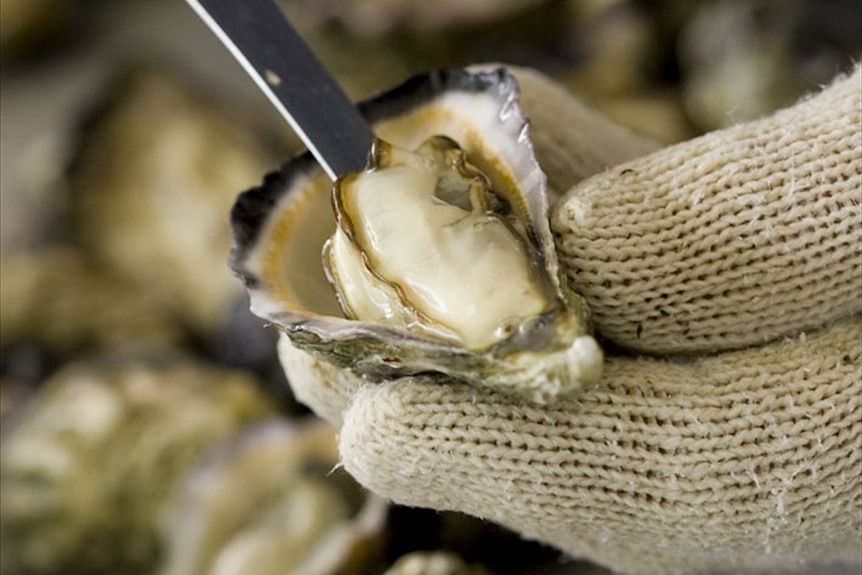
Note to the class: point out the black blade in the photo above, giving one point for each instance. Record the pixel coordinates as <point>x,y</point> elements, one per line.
<point>279,61</point>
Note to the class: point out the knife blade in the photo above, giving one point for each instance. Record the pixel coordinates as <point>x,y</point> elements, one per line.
<point>284,68</point>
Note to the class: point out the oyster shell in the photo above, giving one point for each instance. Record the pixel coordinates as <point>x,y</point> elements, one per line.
<point>537,346</point>
<point>273,501</point>
<point>149,196</point>
<point>28,28</point>
<point>434,563</point>
<point>89,464</point>
<point>55,298</point>
<point>378,17</point>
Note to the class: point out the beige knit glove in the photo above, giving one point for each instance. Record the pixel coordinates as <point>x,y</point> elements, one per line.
<point>725,275</point>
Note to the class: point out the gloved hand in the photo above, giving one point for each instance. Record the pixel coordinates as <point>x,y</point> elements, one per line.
<point>724,275</point>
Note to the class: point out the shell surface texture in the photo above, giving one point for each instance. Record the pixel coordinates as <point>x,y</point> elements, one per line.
<point>437,258</point>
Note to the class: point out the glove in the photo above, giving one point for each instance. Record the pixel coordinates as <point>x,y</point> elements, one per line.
<point>724,275</point>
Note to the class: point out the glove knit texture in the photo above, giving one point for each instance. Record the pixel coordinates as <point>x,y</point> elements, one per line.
<point>736,238</point>
<point>747,459</point>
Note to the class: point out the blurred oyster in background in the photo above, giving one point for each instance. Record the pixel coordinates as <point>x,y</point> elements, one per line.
<point>376,17</point>
<point>16,388</point>
<point>657,114</point>
<point>434,563</point>
<point>34,150</point>
<point>617,46</point>
<point>56,299</point>
<point>88,466</point>
<point>361,66</point>
<point>272,503</point>
<point>621,48</point>
<point>152,186</point>
<point>28,27</point>
<point>377,43</point>
<point>243,342</point>
<point>743,60</point>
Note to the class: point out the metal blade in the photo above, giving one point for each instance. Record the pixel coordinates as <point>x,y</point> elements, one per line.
<point>282,65</point>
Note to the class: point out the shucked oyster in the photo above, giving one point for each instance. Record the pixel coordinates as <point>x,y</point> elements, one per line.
<point>440,250</point>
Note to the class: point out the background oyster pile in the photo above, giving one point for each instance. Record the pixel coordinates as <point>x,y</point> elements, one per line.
<point>146,425</point>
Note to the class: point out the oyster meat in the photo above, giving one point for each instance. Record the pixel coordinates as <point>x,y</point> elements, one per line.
<point>440,251</point>
<point>424,243</point>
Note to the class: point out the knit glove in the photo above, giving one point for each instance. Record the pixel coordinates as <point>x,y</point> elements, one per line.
<point>724,275</point>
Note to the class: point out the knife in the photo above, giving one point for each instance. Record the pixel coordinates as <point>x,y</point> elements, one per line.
<point>284,68</point>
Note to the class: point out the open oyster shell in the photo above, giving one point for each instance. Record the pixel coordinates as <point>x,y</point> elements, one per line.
<point>280,229</point>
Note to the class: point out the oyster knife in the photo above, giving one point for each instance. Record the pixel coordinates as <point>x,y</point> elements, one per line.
<point>294,80</point>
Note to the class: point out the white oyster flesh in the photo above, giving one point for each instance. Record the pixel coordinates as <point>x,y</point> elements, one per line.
<point>425,244</point>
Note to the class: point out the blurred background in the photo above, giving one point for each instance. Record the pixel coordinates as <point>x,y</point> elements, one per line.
<point>146,425</point>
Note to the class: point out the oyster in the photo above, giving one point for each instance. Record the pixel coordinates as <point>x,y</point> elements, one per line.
<point>434,563</point>
<point>149,196</point>
<point>272,501</point>
<point>28,28</point>
<point>465,281</point>
<point>55,298</point>
<point>373,18</point>
<point>89,465</point>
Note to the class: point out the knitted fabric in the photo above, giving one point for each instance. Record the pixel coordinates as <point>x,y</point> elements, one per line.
<point>746,459</point>
<point>743,452</point>
<point>732,239</point>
